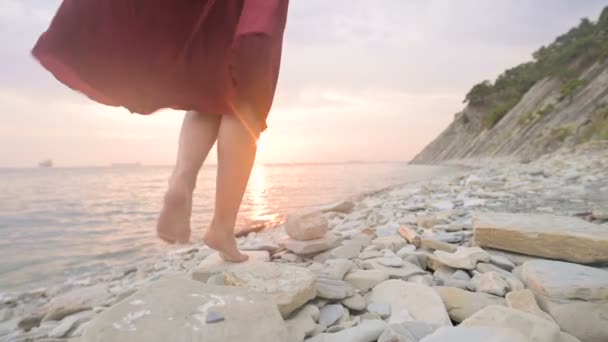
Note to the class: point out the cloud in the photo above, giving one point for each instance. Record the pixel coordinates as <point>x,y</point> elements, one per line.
<point>360,79</point>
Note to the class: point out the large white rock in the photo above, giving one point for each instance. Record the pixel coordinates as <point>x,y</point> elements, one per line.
<point>176,309</point>
<point>575,296</point>
<point>76,300</point>
<point>464,257</point>
<point>311,246</point>
<point>290,287</point>
<point>544,235</point>
<point>494,316</point>
<point>419,302</point>
<point>477,334</point>
<point>463,304</point>
<point>214,264</point>
<point>407,332</point>
<point>306,226</point>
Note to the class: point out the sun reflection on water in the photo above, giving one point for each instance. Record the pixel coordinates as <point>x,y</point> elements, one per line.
<point>259,209</point>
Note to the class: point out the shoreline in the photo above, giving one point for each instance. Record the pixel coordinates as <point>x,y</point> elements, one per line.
<point>567,182</point>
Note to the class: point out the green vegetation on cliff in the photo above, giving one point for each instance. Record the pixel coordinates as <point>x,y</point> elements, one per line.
<point>563,59</point>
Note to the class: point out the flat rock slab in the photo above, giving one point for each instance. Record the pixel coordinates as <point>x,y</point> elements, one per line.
<point>564,280</point>
<point>213,264</point>
<point>175,309</point>
<point>407,332</point>
<point>535,328</point>
<point>477,334</point>
<point>410,301</point>
<point>576,296</point>
<point>544,235</point>
<point>463,304</point>
<point>328,241</point>
<point>290,287</point>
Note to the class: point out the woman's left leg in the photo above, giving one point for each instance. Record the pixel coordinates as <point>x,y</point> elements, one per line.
<point>198,134</point>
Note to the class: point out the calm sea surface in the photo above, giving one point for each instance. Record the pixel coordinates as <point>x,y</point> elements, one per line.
<point>62,222</point>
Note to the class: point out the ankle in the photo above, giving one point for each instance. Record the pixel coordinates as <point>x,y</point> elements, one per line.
<point>182,183</point>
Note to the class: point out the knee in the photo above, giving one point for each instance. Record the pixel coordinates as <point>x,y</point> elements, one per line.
<point>250,120</point>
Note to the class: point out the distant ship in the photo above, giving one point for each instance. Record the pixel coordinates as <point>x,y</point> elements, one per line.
<point>126,164</point>
<point>45,163</point>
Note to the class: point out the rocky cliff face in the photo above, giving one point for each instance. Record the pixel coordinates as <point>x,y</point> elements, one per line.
<point>541,122</point>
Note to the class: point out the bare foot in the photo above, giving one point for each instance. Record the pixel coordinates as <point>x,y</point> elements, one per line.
<point>224,243</point>
<point>173,224</point>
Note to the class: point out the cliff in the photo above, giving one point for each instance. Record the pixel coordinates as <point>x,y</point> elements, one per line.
<point>560,99</point>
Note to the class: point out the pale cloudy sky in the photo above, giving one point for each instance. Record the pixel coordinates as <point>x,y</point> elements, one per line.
<point>361,80</point>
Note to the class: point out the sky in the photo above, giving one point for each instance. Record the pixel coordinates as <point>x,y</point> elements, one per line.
<point>360,80</point>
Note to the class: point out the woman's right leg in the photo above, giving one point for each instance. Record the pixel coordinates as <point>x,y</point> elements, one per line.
<point>198,134</point>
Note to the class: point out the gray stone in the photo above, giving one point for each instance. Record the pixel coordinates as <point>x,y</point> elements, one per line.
<point>523,300</point>
<point>563,280</point>
<point>213,317</point>
<point>364,280</point>
<point>476,334</point>
<point>214,264</point>
<point>565,337</point>
<point>407,300</point>
<point>439,245</point>
<point>502,262</point>
<point>404,272</point>
<point>301,324</point>
<point>355,302</point>
<point>575,296</point>
<point>333,289</point>
<point>535,328</point>
<point>349,249</point>
<point>544,235</point>
<point>311,246</point>
<point>370,254</point>
<point>389,259</point>
<point>406,250</point>
<point>426,280</point>
<point>464,257</point>
<point>336,268</point>
<point>462,304</point>
<point>216,279</point>
<point>330,314</point>
<point>392,242</point>
<point>175,309</point>
<point>69,323</point>
<point>381,309</point>
<point>600,213</point>
<point>76,300</point>
<point>429,221</point>
<point>367,331</point>
<point>490,282</point>
<point>305,227</point>
<point>407,332</point>
<point>290,287</point>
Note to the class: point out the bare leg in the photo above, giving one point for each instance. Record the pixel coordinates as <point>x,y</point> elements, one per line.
<point>197,136</point>
<point>236,149</point>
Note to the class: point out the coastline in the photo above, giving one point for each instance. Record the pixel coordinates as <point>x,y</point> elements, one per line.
<point>568,182</point>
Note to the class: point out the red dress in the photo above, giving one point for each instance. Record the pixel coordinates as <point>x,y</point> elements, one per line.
<point>144,55</point>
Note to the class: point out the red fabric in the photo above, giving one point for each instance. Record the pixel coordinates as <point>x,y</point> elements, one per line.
<point>144,55</point>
